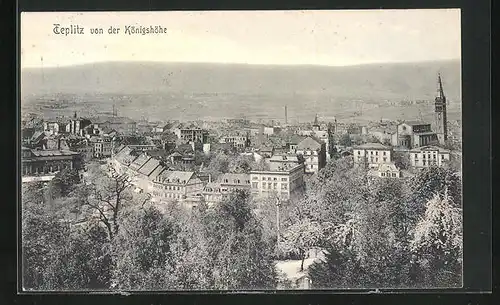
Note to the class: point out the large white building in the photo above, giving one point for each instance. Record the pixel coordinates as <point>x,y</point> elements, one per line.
<point>427,156</point>
<point>372,155</point>
<point>283,183</point>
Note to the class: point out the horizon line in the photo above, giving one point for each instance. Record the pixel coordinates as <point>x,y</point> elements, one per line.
<point>239,63</point>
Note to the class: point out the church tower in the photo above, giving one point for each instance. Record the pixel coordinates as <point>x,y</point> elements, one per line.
<point>440,113</point>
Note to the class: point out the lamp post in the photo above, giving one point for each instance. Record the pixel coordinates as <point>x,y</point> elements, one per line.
<point>278,203</point>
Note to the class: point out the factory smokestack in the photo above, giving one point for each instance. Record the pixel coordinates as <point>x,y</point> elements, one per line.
<point>286,116</point>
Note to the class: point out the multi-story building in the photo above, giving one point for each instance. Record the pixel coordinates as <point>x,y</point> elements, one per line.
<point>103,146</point>
<point>283,183</point>
<point>215,192</point>
<point>122,125</point>
<point>313,151</point>
<point>279,161</point>
<point>387,170</point>
<point>76,125</point>
<point>428,156</point>
<point>176,185</point>
<point>46,162</point>
<point>239,141</point>
<point>190,133</point>
<point>372,155</point>
<point>55,126</point>
<point>412,134</point>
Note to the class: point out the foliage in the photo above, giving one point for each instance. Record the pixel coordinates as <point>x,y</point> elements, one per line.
<point>437,242</point>
<point>345,140</point>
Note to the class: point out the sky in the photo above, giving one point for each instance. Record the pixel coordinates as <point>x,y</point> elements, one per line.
<point>330,38</point>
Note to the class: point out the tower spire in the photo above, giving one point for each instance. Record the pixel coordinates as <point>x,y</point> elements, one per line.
<point>440,112</point>
<point>316,119</point>
<point>440,92</point>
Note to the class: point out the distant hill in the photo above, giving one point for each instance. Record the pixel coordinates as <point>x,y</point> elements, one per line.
<point>374,81</point>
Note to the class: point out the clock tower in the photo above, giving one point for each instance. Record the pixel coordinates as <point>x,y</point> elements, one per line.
<point>440,113</point>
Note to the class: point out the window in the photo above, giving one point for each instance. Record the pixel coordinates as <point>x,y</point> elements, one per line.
<point>359,152</point>
<point>284,186</point>
<point>384,153</point>
<point>275,185</point>
<point>255,178</point>
<point>376,153</point>
<point>385,159</point>
<point>394,174</point>
<point>254,185</point>
<point>269,185</point>
<point>263,185</point>
<point>371,152</point>
<point>442,157</point>
<point>312,166</point>
<point>275,179</point>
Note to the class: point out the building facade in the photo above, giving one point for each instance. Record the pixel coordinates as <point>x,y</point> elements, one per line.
<point>313,151</point>
<point>428,156</point>
<point>414,134</point>
<point>215,192</point>
<point>283,183</point>
<point>176,186</point>
<point>46,162</point>
<point>371,155</point>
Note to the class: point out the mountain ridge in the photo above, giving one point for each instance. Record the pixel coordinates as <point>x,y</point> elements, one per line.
<point>367,81</point>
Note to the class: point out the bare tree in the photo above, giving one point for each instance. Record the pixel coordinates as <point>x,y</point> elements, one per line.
<point>107,194</point>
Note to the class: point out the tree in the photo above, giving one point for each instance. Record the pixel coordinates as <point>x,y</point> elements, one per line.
<point>64,182</point>
<point>402,160</point>
<point>438,242</point>
<point>300,237</point>
<point>142,251</point>
<point>239,257</point>
<point>106,194</point>
<point>345,140</point>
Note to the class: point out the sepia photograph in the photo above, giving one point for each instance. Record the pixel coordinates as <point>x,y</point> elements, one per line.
<point>240,150</point>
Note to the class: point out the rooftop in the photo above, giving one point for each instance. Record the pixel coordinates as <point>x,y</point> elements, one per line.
<point>430,148</point>
<point>175,177</point>
<point>372,146</point>
<point>310,142</point>
<point>53,153</point>
<point>416,123</point>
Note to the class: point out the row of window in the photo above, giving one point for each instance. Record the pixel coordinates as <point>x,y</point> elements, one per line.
<point>388,174</point>
<point>270,186</point>
<point>270,178</point>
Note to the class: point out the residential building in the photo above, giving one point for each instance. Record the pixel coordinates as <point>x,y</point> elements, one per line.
<point>46,162</point>
<point>176,185</point>
<point>237,140</point>
<point>190,133</point>
<point>387,170</point>
<point>279,161</point>
<point>55,126</point>
<point>313,150</point>
<point>428,156</point>
<point>122,125</point>
<point>215,192</point>
<point>412,134</point>
<point>372,155</point>
<point>103,146</point>
<point>283,183</point>
<point>76,125</point>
